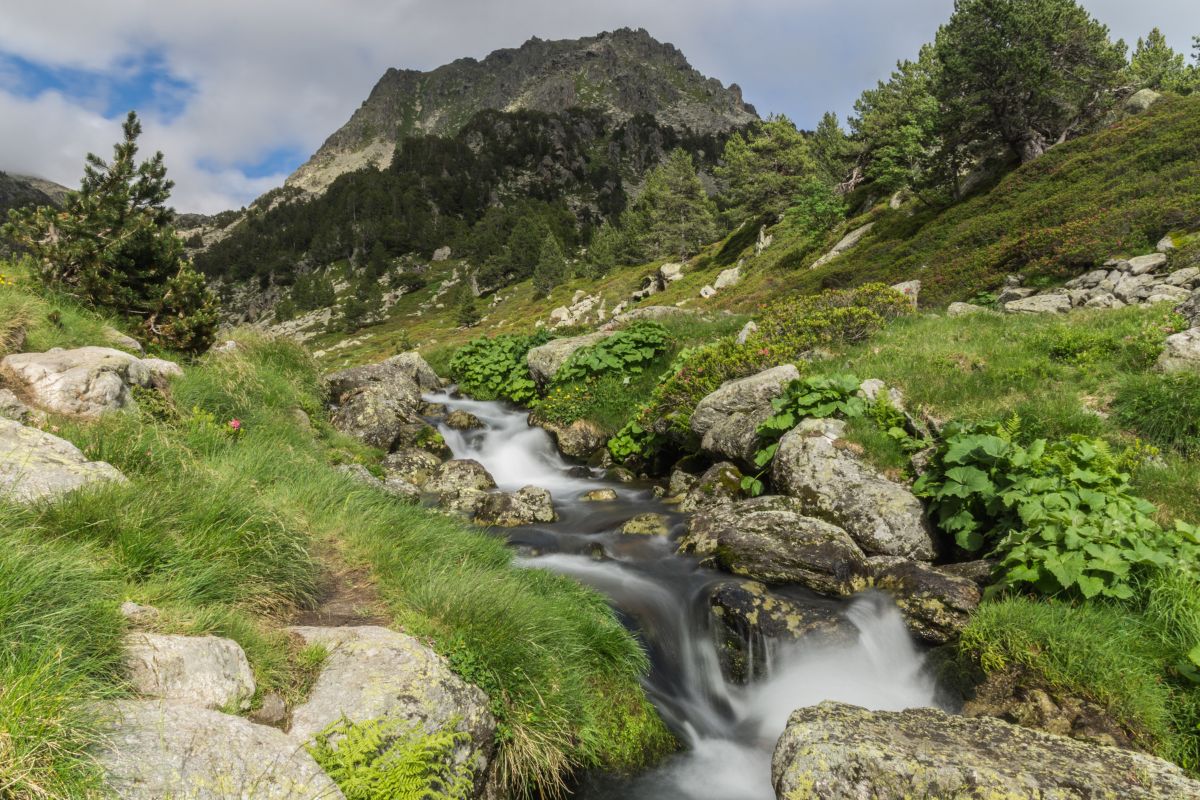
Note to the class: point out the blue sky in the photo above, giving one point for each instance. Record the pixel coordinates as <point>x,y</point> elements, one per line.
<point>238,94</point>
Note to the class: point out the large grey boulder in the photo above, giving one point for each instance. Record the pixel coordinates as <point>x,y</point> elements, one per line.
<point>405,368</point>
<point>411,465</point>
<point>834,751</point>
<point>154,751</point>
<point>936,605</point>
<point>457,477</point>
<point>748,620</point>
<point>720,484</point>
<point>1040,304</point>
<point>1141,100</point>
<point>525,506</point>
<point>883,517</point>
<point>964,309</point>
<point>1190,309</point>
<point>1142,265</point>
<point>201,671</point>
<point>35,465</point>
<point>372,673</point>
<point>579,440</point>
<point>770,539</point>
<point>85,382</point>
<point>727,420</point>
<point>545,359</point>
<point>845,243</point>
<point>1182,352</point>
<point>382,415</point>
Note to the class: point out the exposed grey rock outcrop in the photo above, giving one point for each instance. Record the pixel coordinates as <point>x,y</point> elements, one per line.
<point>881,516</point>
<point>35,465</point>
<point>405,368</point>
<point>834,751</point>
<point>936,605</point>
<point>85,382</point>
<point>373,673</point>
<point>727,420</point>
<point>749,620</point>
<point>1040,304</point>
<point>545,359</point>
<point>526,506</point>
<point>848,241</point>
<point>457,477</point>
<point>720,484</point>
<point>771,540</point>
<point>11,407</point>
<point>153,751</point>
<point>1182,352</point>
<point>411,465</point>
<point>393,485</point>
<point>201,671</point>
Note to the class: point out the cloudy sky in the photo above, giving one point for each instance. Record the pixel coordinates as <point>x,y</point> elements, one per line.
<point>238,93</point>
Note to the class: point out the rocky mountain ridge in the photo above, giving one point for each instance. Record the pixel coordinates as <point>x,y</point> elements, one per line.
<point>622,73</point>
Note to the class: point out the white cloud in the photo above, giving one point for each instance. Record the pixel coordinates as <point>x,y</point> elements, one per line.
<point>274,74</point>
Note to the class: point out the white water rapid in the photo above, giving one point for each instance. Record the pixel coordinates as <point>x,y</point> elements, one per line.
<point>729,731</point>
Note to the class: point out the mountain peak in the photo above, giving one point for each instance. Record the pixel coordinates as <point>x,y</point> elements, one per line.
<point>623,73</point>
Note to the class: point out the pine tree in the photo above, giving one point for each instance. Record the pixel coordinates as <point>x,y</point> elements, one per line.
<point>605,250</point>
<point>674,215</point>
<point>762,168</point>
<point>377,261</point>
<point>468,309</point>
<point>1155,65</point>
<point>551,267</point>
<point>113,245</point>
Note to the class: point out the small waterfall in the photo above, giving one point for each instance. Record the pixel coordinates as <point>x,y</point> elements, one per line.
<point>729,730</point>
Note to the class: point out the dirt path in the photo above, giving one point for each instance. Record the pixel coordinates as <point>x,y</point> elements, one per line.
<point>348,595</point>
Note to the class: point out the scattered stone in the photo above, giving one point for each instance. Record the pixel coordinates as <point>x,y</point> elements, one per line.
<point>881,516</point>
<point>1182,352</point>
<point>647,313</point>
<point>272,711</point>
<point>35,465</point>
<point>598,496</point>
<point>11,407</point>
<point>201,671</point>
<point>1104,300</point>
<point>1142,265</point>
<point>526,506</point>
<point>764,241</point>
<point>748,330</point>
<point>770,539</point>
<point>872,388</point>
<point>545,359</point>
<point>727,278</point>
<point>748,620</point>
<point>227,346</point>
<point>123,341</point>
<point>720,484</point>
<point>620,474</point>
<point>395,486</point>
<point>1040,304</point>
<point>457,477</point>
<point>1165,244</point>
<point>964,309</point>
<point>849,240</point>
<point>1186,277</point>
<point>460,420</point>
<point>374,673</point>
<point>1015,292</point>
<point>935,604</point>
<point>727,419</point>
<point>441,254</point>
<point>161,369</point>
<point>910,289</point>
<point>1190,309</point>
<point>411,465</point>
<point>1167,294</point>
<point>137,614</point>
<point>669,273</point>
<point>834,751</point>
<point>1141,100</point>
<point>579,439</point>
<point>154,750</point>
<point>707,292</point>
<point>85,382</point>
<point>647,525</point>
<point>681,482</point>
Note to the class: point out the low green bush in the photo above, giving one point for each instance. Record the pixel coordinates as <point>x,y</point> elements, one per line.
<point>1059,515</point>
<point>494,368</point>
<point>1163,408</point>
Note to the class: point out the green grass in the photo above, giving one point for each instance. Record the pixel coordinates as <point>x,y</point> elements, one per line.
<point>1163,409</point>
<point>227,546</point>
<point>1117,656</point>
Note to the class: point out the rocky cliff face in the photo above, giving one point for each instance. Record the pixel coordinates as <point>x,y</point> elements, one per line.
<point>623,73</point>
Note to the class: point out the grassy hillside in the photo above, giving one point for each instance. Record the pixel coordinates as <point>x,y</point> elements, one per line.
<point>243,534</point>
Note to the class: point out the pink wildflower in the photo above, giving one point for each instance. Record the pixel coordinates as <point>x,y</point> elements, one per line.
<point>235,424</point>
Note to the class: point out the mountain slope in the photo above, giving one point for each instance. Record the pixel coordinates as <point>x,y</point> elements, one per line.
<point>623,74</point>
<point>22,190</point>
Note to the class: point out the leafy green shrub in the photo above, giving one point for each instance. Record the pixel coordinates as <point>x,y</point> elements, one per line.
<point>1059,515</point>
<point>626,351</point>
<point>1165,409</point>
<point>494,368</point>
<point>788,330</point>
<point>1081,346</point>
<point>392,759</point>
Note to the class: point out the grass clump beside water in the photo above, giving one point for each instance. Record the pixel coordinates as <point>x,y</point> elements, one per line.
<point>219,528</point>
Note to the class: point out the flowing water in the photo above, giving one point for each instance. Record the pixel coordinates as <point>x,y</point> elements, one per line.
<point>729,731</point>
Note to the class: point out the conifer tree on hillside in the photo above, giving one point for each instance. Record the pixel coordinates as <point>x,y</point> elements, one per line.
<point>762,168</point>
<point>467,314</point>
<point>1155,65</point>
<point>1023,73</point>
<point>113,245</point>
<point>674,215</point>
<point>551,267</point>
<point>605,250</point>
